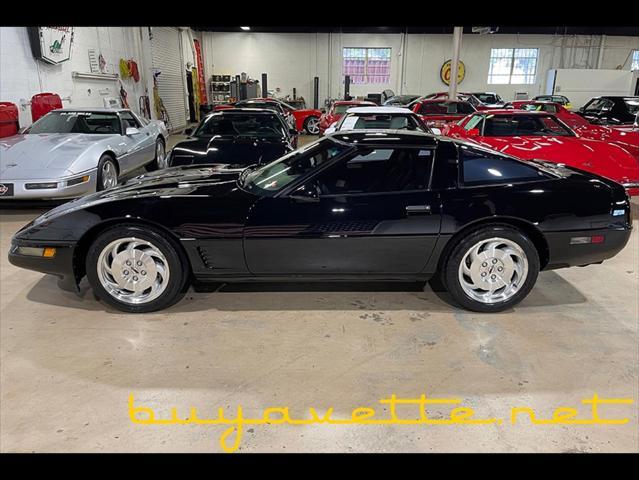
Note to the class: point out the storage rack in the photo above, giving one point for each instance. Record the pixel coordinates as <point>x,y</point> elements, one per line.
<point>220,88</point>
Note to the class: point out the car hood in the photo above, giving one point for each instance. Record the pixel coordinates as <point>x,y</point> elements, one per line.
<point>228,150</point>
<point>607,160</point>
<point>30,155</point>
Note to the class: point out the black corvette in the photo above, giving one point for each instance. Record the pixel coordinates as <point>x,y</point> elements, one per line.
<point>611,110</point>
<point>239,137</point>
<point>374,205</point>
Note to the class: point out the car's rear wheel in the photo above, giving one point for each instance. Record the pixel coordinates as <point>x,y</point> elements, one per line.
<point>160,161</point>
<point>107,173</point>
<point>136,269</point>
<point>311,125</point>
<point>491,269</point>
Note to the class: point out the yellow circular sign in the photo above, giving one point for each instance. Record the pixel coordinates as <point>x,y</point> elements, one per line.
<point>444,73</point>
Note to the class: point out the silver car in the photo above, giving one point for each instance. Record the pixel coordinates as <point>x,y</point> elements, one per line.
<point>72,152</point>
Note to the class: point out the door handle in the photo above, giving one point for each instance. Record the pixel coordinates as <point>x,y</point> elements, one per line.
<point>417,209</point>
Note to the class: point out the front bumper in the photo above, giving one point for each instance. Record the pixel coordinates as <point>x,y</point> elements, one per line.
<point>564,254</point>
<point>62,191</point>
<point>61,265</point>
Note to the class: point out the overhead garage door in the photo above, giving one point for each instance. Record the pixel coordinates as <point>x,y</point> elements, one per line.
<point>167,57</point>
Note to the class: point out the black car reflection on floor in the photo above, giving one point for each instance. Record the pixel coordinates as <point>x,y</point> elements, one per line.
<point>360,206</point>
<point>238,137</point>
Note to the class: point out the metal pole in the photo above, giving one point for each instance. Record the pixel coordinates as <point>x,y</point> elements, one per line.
<point>316,93</point>
<point>602,45</point>
<point>454,64</point>
<point>347,87</point>
<point>264,86</point>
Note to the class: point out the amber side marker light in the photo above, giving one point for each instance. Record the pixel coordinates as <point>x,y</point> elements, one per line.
<point>47,252</point>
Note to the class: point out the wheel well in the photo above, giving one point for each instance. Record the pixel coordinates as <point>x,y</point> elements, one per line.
<point>79,256</point>
<point>536,237</point>
<point>111,154</point>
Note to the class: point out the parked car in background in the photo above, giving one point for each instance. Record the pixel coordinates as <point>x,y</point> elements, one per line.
<point>374,205</point>
<point>437,113</point>
<point>368,118</point>
<point>238,137</point>
<point>490,99</point>
<point>560,99</point>
<point>400,100</point>
<point>542,136</point>
<point>467,97</point>
<point>626,136</point>
<point>71,152</point>
<point>336,110</point>
<point>611,110</point>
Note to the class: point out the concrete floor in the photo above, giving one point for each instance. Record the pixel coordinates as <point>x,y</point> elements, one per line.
<point>69,363</point>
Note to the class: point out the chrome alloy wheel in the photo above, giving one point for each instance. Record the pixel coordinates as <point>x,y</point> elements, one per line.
<point>312,125</point>
<point>160,155</point>
<point>493,270</point>
<point>109,175</point>
<point>133,270</point>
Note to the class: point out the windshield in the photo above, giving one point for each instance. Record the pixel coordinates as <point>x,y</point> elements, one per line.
<point>271,178</point>
<point>363,121</point>
<point>632,104</point>
<point>78,122</point>
<point>340,109</point>
<point>445,108</point>
<point>598,105</point>
<point>241,124</point>
<point>487,97</point>
<point>523,125</point>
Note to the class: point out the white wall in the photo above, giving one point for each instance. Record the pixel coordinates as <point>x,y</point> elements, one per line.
<point>21,76</point>
<point>292,60</point>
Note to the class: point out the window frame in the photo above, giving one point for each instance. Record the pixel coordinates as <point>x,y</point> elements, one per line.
<point>634,61</point>
<point>513,57</point>
<point>349,155</point>
<point>366,75</point>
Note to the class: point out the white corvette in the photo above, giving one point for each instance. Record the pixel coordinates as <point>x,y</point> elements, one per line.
<point>387,118</point>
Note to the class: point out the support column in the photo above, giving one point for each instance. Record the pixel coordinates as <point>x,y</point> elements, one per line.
<point>454,66</point>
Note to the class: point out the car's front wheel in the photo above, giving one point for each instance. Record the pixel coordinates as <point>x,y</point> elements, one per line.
<point>107,173</point>
<point>160,161</point>
<point>136,269</point>
<point>491,269</point>
<point>311,125</point>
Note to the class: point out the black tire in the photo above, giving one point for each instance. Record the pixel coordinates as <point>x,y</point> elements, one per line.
<point>155,164</point>
<point>307,126</point>
<point>450,271</point>
<point>177,263</point>
<point>104,159</point>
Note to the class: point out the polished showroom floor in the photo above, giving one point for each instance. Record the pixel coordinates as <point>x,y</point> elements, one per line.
<point>69,363</point>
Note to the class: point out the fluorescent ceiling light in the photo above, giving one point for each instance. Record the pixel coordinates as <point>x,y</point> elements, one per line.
<point>245,28</point>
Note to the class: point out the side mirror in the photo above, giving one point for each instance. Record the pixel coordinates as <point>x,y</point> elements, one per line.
<point>132,131</point>
<point>188,131</point>
<point>309,193</point>
<point>473,132</point>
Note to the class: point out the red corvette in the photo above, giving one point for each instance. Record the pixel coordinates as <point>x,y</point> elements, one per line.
<point>438,113</point>
<point>467,97</point>
<point>337,110</point>
<point>626,136</point>
<point>540,135</point>
<point>305,119</point>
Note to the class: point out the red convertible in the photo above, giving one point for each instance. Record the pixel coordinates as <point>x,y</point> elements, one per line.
<point>305,119</point>
<point>438,113</point>
<point>541,136</point>
<point>338,109</point>
<point>626,136</point>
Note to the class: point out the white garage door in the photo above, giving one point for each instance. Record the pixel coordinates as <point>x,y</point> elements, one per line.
<point>167,57</point>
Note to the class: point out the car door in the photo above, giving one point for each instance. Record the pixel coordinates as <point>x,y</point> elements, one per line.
<point>371,213</point>
<point>140,146</point>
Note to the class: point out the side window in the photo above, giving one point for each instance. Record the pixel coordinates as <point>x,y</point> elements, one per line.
<point>474,122</point>
<point>483,168</point>
<point>129,120</point>
<point>378,171</point>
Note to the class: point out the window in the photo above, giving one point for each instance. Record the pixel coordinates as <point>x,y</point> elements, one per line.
<point>241,124</point>
<point>512,65</point>
<point>367,65</point>
<point>363,121</point>
<point>599,105</point>
<point>378,170</point>
<point>483,168</point>
<point>445,108</point>
<point>129,120</point>
<point>523,125</point>
<point>635,60</point>
<point>78,122</point>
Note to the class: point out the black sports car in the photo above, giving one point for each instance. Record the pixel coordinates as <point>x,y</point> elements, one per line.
<point>611,110</point>
<point>374,205</point>
<point>237,137</point>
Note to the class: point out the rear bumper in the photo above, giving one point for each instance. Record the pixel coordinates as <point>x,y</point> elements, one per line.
<point>564,254</point>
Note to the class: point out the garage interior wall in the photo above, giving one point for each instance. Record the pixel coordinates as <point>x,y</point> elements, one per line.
<point>291,61</point>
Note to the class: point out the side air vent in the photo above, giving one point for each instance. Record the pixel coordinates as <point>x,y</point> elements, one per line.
<point>205,258</point>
